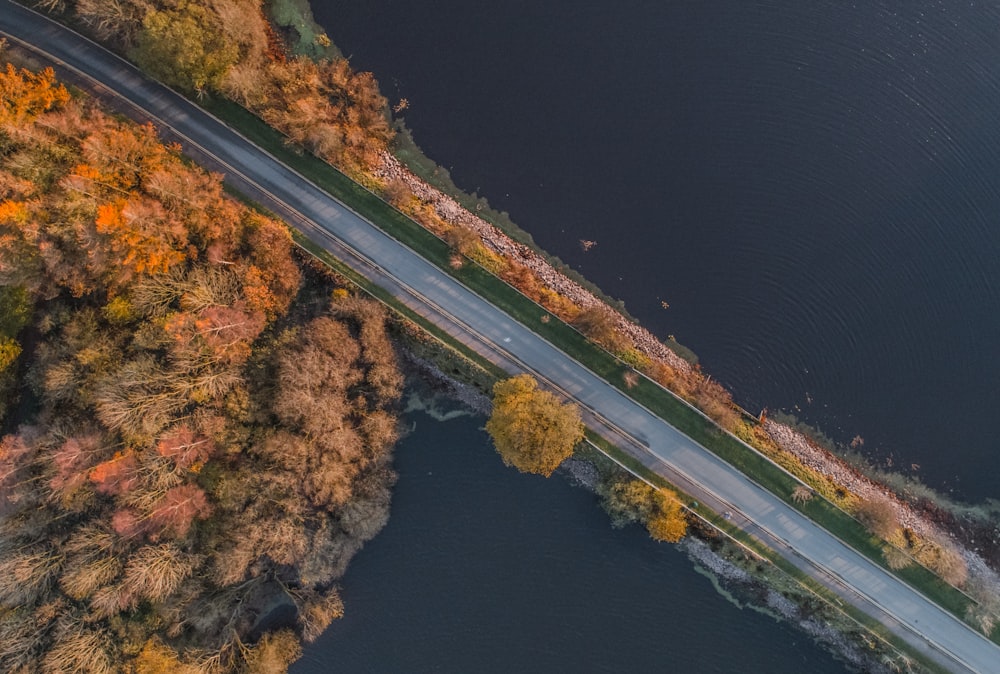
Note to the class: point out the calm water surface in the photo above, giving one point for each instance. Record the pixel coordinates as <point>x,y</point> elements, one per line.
<point>482,569</point>
<point>811,186</point>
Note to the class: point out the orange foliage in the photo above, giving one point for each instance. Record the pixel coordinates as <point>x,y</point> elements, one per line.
<point>271,281</point>
<point>24,95</point>
<point>157,658</point>
<point>13,211</point>
<point>123,155</point>
<point>140,237</point>
<point>117,475</point>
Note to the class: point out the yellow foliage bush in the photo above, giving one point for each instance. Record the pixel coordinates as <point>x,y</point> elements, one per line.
<point>531,429</point>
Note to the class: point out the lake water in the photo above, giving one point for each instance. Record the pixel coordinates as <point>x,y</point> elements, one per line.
<point>482,569</point>
<point>811,186</point>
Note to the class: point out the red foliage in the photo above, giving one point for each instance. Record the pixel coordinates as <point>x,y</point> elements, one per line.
<point>184,447</point>
<point>228,331</point>
<point>72,462</point>
<point>15,457</point>
<point>225,333</point>
<point>127,523</point>
<point>117,475</point>
<point>13,451</point>
<point>178,508</point>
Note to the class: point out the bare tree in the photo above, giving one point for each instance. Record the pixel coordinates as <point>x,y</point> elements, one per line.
<point>27,574</point>
<point>93,561</point>
<point>155,572</point>
<point>79,648</point>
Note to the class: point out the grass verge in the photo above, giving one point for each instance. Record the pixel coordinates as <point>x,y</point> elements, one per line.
<point>568,339</point>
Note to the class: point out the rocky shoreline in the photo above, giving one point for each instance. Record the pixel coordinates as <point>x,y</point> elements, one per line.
<point>735,580</point>
<point>745,589</point>
<point>390,169</point>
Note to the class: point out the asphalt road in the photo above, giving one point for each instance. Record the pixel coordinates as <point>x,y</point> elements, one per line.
<point>497,336</point>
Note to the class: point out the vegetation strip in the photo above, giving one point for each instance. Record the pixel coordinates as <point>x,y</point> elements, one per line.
<point>648,393</point>
<point>292,95</point>
<point>607,451</point>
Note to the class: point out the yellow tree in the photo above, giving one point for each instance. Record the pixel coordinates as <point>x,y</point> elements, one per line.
<point>667,522</point>
<point>628,500</point>
<point>531,429</point>
<point>185,47</point>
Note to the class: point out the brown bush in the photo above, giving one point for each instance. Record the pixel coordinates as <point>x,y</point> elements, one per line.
<point>878,516</point>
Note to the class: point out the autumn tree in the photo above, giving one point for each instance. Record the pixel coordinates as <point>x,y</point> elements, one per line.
<point>531,429</point>
<point>155,572</point>
<point>274,653</point>
<point>16,456</point>
<point>158,658</point>
<point>72,460</point>
<point>184,462</point>
<point>117,19</point>
<point>272,278</point>
<point>185,47</point>
<point>93,561</point>
<point>118,475</point>
<point>178,509</point>
<point>668,522</point>
<point>186,449</point>
<point>597,324</point>
<point>629,500</point>
<point>24,94</point>
<point>79,648</point>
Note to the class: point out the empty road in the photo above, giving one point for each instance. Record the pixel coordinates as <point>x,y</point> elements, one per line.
<point>491,332</point>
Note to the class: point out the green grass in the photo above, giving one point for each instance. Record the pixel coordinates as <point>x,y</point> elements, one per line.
<point>646,392</point>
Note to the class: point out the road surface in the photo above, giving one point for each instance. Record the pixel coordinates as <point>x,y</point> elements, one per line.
<point>485,328</point>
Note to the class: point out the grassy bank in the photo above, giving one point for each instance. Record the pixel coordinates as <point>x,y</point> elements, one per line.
<point>302,32</point>
<point>655,398</point>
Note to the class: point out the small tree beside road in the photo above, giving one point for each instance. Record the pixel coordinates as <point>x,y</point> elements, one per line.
<point>531,429</point>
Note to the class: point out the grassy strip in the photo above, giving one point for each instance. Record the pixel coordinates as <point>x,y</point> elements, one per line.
<point>647,393</point>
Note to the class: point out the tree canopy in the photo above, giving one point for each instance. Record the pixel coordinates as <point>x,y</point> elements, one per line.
<point>630,500</point>
<point>203,444</point>
<point>185,47</point>
<point>532,430</point>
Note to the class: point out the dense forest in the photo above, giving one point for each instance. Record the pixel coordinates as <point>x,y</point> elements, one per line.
<point>228,47</point>
<point>197,424</point>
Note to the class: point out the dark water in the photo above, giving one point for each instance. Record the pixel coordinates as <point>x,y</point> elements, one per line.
<point>812,186</point>
<point>482,569</point>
